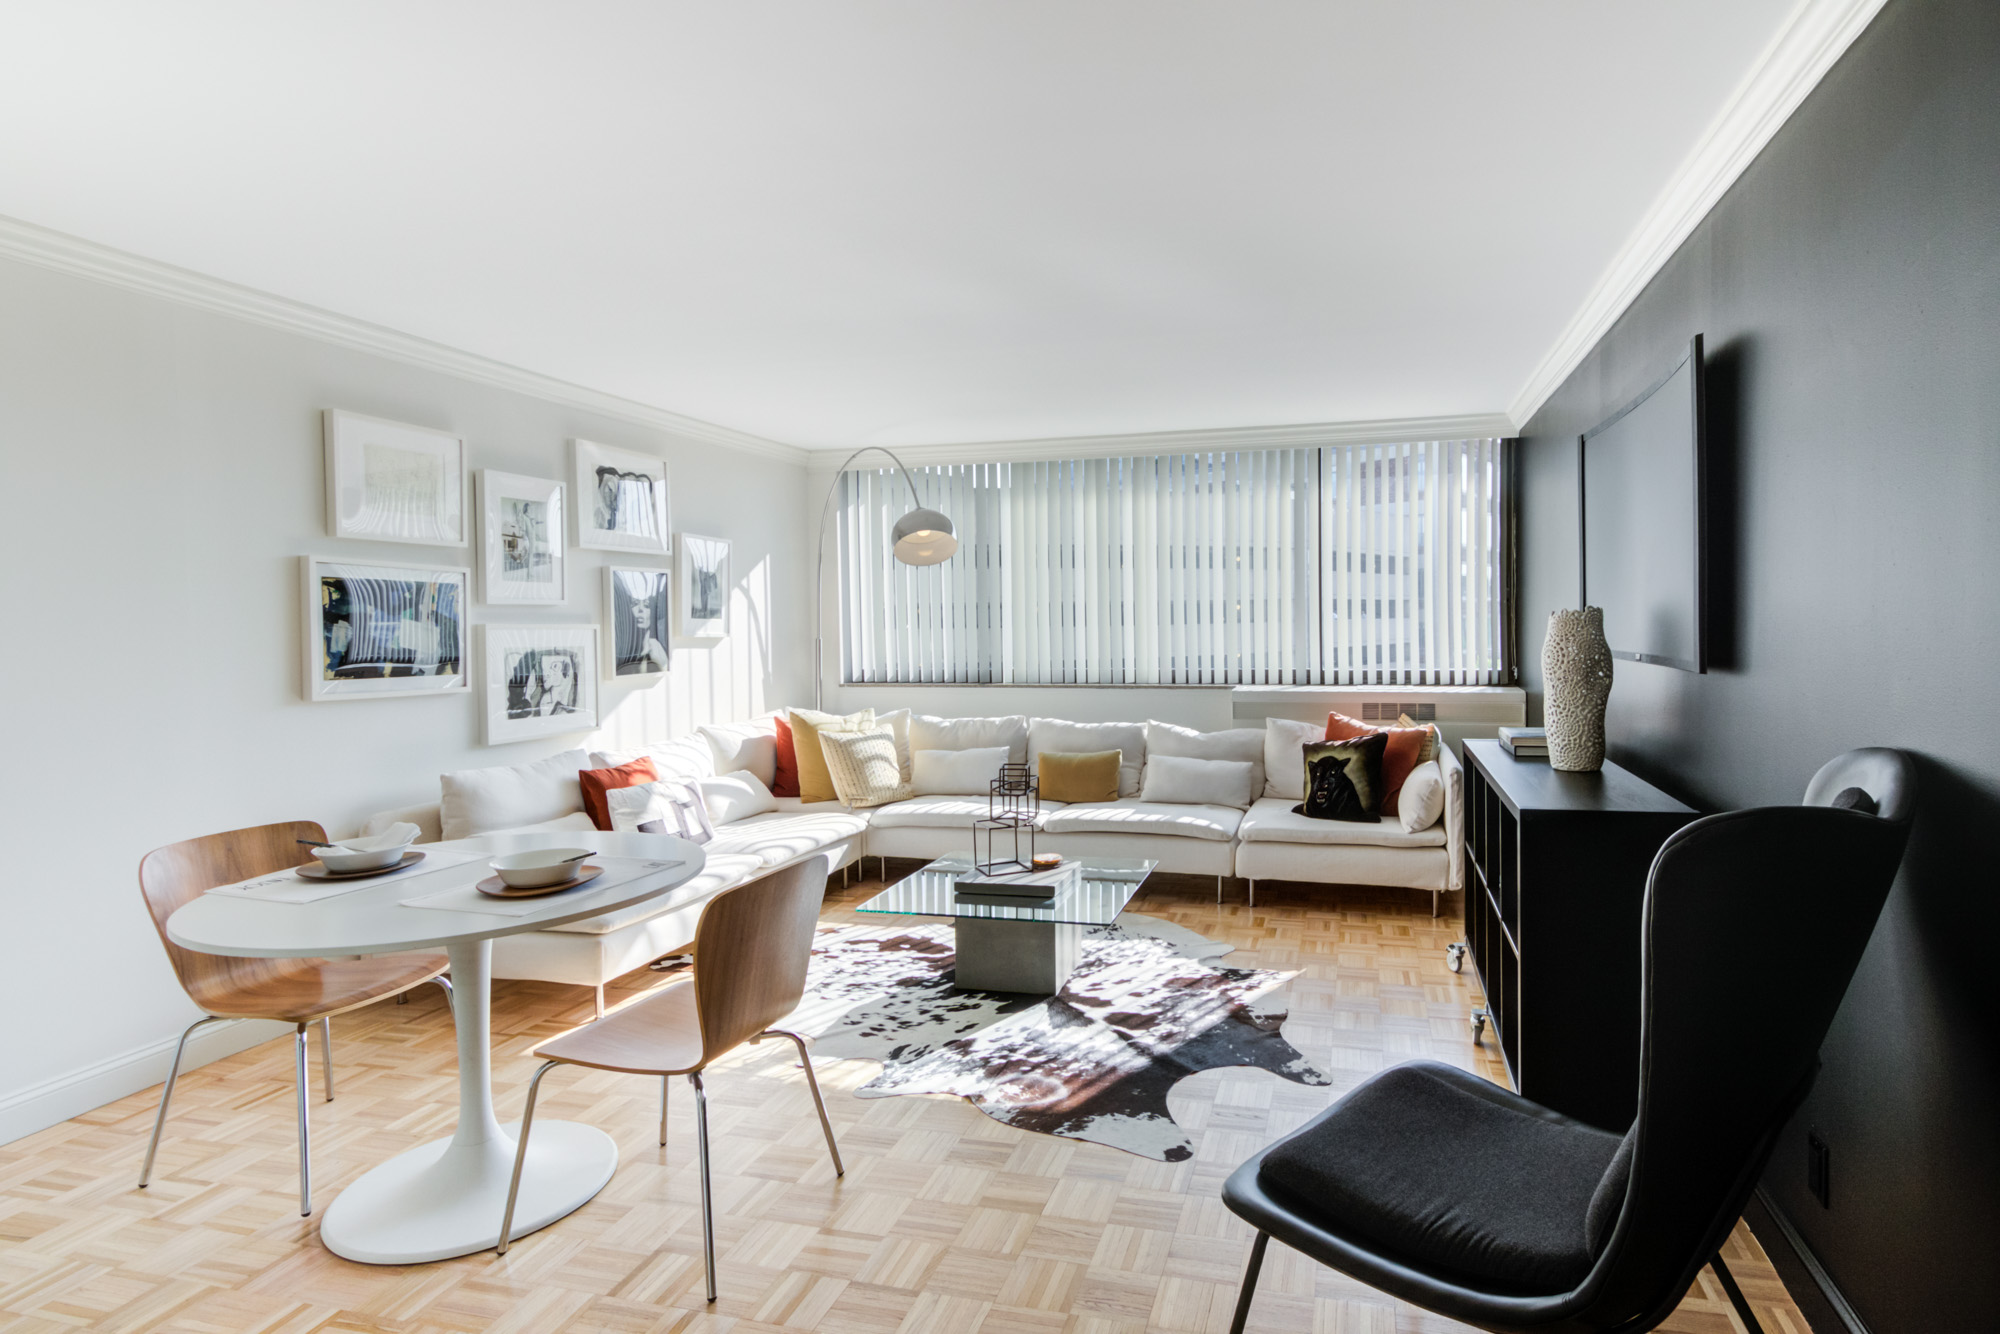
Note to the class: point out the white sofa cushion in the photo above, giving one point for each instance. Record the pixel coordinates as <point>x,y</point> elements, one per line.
<point>736,796</point>
<point>750,747</point>
<point>932,733</point>
<point>1235,743</point>
<point>1178,778</point>
<point>956,773</point>
<point>898,723</point>
<point>1284,756</point>
<point>1130,815</point>
<point>576,820</point>
<point>1271,820</point>
<point>481,801</point>
<point>784,836</point>
<point>1066,738</point>
<point>1422,798</point>
<point>939,812</point>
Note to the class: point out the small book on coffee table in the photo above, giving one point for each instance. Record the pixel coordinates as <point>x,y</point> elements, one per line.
<point>1021,884</point>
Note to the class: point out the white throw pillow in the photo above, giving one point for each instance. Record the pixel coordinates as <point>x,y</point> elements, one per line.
<point>898,723</point>
<point>1192,782</point>
<point>957,773</point>
<point>685,759</point>
<point>932,733</point>
<point>750,747</point>
<point>1284,759</point>
<point>1067,738</point>
<point>483,801</point>
<point>1236,743</point>
<point>1421,801</point>
<point>660,808</point>
<point>736,796</point>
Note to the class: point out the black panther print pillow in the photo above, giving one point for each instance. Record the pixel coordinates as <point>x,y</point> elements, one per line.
<point>1344,779</point>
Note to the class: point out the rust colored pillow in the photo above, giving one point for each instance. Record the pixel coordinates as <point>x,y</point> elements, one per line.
<point>785,782</point>
<point>596,782</point>
<point>1408,747</point>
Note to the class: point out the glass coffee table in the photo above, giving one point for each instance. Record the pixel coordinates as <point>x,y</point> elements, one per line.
<point>1030,946</point>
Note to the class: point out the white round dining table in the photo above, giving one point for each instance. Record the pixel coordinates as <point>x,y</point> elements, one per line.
<point>446,1197</point>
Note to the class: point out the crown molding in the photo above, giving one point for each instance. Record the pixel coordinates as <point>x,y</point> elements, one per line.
<point>1812,39</point>
<point>44,248</point>
<point>1384,431</point>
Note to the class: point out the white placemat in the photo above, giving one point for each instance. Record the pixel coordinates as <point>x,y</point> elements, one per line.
<point>288,886</point>
<point>456,894</point>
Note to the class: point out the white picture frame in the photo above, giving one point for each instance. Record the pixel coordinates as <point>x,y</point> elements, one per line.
<point>541,680</point>
<point>524,556</point>
<point>701,565</point>
<point>376,631</point>
<point>392,482</point>
<point>638,624</point>
<point>621,499</point>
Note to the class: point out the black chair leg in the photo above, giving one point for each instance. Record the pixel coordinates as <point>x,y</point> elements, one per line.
<point>1736,1299</point>
<point>1250,1283</point>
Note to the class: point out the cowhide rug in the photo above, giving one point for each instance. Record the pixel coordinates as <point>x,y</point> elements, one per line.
<point>1144,1010</point>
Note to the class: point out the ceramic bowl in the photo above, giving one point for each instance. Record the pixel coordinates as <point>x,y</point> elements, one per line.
<point>543,866</point>
<point>342,861</point>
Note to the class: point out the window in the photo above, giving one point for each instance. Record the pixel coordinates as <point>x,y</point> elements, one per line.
<point>1350,564</point>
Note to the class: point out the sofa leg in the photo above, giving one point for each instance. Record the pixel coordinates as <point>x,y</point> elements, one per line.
<point>1434,903</point>
<point>598,992</point>
<point>1253,893</point>
<point>1218,891</point>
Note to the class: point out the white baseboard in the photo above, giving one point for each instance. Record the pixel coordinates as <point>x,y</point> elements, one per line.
<point>56,1100</point>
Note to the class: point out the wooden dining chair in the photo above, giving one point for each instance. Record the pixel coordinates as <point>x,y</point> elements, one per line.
<point>301,992</point>
<point>751,949</point>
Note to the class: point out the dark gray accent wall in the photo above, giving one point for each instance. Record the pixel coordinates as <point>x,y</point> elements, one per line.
<point>1849,289</point>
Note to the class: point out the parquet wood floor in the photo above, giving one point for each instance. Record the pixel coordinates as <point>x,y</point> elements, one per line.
<point>946,1222</point>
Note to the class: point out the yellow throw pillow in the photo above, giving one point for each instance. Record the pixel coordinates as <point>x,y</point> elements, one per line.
<point>815,783</point>
<point>864,766</point>
<point>1091,776</point>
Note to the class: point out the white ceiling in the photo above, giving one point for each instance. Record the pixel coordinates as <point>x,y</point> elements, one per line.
<point>837,222</point>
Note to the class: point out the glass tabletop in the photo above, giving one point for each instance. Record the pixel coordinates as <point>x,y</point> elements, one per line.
<point>1108,884</point>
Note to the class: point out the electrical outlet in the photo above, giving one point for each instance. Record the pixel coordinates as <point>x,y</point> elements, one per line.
<point>1819,1169</point>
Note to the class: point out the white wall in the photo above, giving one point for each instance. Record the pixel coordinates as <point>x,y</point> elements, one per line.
<point>162,472</point>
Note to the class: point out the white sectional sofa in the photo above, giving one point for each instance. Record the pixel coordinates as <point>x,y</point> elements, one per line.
<point>1262,840</point>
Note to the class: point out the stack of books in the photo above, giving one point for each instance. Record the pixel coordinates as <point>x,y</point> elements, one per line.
<point>1525,743</point>
<point>1020,886</point>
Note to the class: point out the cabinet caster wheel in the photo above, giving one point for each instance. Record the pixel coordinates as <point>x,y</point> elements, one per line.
<point>1454,957</point>
<point>1478,1021</point>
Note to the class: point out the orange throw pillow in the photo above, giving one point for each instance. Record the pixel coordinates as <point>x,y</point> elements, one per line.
<point>785,782</point>
<point>1407,747</point>
<point>596,782</point>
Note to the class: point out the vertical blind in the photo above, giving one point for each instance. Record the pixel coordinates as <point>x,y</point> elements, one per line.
<point>1339,565</point>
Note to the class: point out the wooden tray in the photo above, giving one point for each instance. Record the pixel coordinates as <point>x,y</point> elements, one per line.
<point>499,889</point>
<point>317,871</point>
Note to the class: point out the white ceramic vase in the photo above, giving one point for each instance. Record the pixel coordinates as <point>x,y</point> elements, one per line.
<point>1576,684</point>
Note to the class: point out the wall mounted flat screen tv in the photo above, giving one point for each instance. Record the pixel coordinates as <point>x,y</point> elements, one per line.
<point>1641,476</point>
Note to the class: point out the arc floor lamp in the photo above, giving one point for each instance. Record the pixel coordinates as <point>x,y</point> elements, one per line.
<point>922,537</point>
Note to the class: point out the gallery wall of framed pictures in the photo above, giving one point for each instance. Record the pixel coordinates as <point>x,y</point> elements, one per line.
<point>377,627</point>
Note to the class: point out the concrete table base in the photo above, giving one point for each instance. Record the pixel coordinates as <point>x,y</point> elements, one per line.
<point>1033,957</point>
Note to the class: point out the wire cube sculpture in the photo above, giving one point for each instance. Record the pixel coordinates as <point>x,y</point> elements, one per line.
<point>1013,805</point>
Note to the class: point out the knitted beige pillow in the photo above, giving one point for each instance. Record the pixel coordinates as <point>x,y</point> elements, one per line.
<point>864,767</point>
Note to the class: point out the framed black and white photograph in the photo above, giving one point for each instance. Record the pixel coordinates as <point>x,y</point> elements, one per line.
<point>379,630</point>
<point>521,523</point>
<point>637,617</point>
<point>703,563</point>
<point>392,482</point>
<point>621,499</point>
<point>541,680</point>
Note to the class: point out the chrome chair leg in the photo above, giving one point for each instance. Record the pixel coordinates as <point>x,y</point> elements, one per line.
<point>707,1198</point>
<point>444,983</point>
<point>326,1053</point>
<point>666,1087</point>
<point>299,1044</point>
<point>812,1082</point>
<point>1249,1282</point>
<point>521,1156</point>
<point>166,1095</point>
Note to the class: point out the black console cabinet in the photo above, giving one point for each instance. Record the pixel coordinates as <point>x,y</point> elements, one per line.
<point>1556,875</point>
